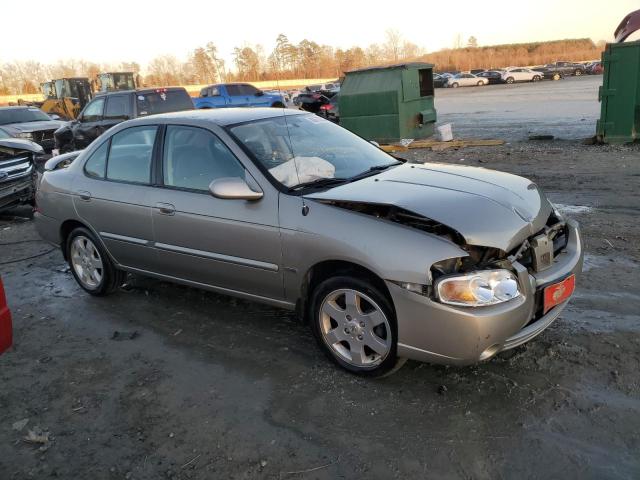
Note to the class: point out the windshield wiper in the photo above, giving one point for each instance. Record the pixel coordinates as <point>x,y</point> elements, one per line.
<point>373,170</point>
<point>319,183</point>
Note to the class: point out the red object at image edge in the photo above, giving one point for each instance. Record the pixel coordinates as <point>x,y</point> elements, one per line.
<point>6,327</point>
<point>558,292</point>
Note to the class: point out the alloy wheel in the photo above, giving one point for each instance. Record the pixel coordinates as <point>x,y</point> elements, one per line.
<point>355,328</point>
<point>86,262</point>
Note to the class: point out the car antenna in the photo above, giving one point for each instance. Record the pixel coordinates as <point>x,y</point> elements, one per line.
<point>305,208</point>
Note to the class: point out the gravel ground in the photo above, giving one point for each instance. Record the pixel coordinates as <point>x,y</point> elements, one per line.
<point>199,386</point>
<point>566,109</point>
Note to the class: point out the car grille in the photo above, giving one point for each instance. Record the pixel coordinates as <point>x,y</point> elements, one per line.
<point>555,232</point>
<point>43,136</point>
<point>15,167</point>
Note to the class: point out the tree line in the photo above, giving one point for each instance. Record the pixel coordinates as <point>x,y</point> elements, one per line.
<point>305,59</point>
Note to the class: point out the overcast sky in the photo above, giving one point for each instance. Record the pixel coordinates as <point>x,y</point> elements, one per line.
<point>118,30</point>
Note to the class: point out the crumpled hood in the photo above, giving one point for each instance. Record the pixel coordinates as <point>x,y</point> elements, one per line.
<point>488,208</point>
<point>34,126</point>
<point>21,144</point>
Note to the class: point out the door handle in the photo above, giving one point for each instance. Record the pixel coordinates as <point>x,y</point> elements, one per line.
<point>166,208</point>
<point>84,195</point>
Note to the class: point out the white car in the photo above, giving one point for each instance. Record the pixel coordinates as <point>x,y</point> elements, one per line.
<point>466,80</point>
<point>521,74</point>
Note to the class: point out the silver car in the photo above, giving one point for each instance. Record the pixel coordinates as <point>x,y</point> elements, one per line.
<point>386,260</point>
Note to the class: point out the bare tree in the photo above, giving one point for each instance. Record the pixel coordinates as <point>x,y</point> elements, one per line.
<point>393,44</point>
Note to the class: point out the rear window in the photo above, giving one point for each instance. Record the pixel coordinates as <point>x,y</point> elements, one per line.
<point>163,101</point>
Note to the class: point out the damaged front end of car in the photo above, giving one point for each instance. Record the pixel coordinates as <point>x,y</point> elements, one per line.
<point>492,298</point>
<point>18,171</point>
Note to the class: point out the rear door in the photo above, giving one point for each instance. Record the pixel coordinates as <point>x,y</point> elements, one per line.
<point>229,244</point>
<point>113,195</point>
<point>89,126</point>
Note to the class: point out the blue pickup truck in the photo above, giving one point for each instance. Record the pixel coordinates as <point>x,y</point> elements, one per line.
<point>225,95</point>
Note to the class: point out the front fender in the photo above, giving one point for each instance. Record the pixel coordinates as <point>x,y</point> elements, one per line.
<point>392,251</point>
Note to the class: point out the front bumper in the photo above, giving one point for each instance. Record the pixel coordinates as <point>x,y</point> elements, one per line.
<point>17,191</point>
<point>433,332</point>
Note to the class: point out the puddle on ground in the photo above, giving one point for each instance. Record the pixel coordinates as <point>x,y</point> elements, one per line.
<point>573,209</point>
<point>595,261</point>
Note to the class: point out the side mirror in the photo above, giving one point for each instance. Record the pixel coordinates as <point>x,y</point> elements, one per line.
<point>374,143</point>
<point>61,161</point>
<point>204,94</point>
<point>233,188</point>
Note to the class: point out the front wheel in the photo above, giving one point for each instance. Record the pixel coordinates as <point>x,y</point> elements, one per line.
<point>355,326</point>
<point>454,85</point>
<point>556,76</point>
<point>90,264</point>
<point>510,80</point>
<point>481,83</point>
<point>277,105</point>
<point>578,72</point>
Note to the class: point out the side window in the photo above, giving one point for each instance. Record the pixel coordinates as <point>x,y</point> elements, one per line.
<point>118,108</point>
<point>130,154</point>
<point>248,90</point>
<point>97,162</point>
<point>234,90</point>
<point>194,157</point>
<point>93,111</point>
<point>214,92</point>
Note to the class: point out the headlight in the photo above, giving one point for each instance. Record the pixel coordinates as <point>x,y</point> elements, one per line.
<point>487,287</point>
<point>27,135</point>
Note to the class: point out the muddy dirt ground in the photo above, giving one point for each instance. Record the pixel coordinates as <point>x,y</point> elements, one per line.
<point>201,386</point>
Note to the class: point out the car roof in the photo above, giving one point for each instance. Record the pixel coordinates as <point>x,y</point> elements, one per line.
<point>222,116</point>
<point>19,107</point>
<point>141,90</point>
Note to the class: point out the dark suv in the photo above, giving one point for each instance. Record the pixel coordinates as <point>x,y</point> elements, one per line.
<point>109,109</point>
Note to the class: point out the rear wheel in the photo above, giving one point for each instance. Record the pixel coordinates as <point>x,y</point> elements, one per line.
<point>481,83</point>
<point>455,85</point>
<point>556,76</point>
<point>90,265</point>
<point>355,326</point>
<point>578,72</point>
<point>510,80</point>
<point>536,78</point>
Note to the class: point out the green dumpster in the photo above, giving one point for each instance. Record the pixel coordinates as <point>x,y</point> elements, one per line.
<point>390,103</point>
<point>619,94</point>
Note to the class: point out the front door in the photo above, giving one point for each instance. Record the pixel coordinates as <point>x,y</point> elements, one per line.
<point>229,244</point>
<point>113,196</point>
<point>237,95</point>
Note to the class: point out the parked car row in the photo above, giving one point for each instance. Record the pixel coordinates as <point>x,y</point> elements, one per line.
<point>550,71</point>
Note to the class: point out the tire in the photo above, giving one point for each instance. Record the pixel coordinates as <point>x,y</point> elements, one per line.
<point>578,72</point>
<point>481,83</point>
<point>510,80</point>
<point>90,264</point>
<point>536,78</point>
<point>277,105</point>
<point>556,76</point>
<point>347,335</point>
<point>455,85</point>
